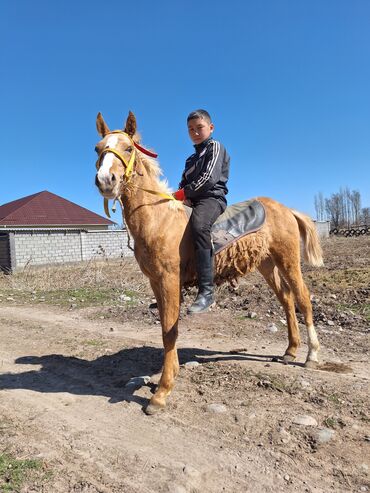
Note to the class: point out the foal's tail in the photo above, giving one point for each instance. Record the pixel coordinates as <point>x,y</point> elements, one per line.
<point>312,248</point>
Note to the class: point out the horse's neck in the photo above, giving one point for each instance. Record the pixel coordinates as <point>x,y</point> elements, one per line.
<point>144,212</point>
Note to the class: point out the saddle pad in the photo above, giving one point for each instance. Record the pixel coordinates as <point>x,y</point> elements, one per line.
<point>238,220</point>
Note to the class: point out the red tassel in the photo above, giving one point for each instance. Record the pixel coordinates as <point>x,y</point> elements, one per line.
<point>145,151</point>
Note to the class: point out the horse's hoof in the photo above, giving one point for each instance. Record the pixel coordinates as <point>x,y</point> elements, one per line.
<point>155,405</point>
<point>288,358</point>
<point>312,365</point>
<point>153,409</point>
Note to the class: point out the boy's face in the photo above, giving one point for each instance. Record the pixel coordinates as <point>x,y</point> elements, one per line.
<point>199,130</point>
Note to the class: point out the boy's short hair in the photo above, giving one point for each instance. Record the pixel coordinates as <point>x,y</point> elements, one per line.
<point>199,114</point>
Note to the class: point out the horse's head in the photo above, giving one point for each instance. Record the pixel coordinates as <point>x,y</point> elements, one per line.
<point>116,156</point>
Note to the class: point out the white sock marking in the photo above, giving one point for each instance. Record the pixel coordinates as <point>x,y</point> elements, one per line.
<point>313,343</point>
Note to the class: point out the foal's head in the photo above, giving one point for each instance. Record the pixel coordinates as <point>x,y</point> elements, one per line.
<point>117,154</point>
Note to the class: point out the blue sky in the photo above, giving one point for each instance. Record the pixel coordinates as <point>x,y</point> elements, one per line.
<point>287,83</point>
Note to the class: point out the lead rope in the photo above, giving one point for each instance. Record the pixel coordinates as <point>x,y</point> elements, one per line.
<point>128,231</point>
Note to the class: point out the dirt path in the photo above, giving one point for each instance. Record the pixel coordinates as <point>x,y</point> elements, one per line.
<point>64,399</point>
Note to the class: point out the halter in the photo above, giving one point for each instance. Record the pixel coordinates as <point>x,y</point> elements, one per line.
<point>129,167</point>
<point>128,164</point>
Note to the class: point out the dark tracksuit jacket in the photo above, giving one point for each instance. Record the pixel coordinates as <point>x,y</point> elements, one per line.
<point>204,182</point>
<point>206,172</point>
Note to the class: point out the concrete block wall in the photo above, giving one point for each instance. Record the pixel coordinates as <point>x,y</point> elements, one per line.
<point>59,246</point>
<point>323,228</point>
<point>104,244</point>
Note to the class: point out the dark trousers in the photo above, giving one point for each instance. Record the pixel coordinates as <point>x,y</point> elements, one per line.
<point>205,212</point>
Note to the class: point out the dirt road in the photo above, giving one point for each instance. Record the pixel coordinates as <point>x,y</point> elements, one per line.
<point>64,399</point>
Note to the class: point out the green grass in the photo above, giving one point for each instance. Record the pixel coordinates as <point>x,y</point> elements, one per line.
<point>362,309</point>
<point>334,399</point>
<point>274,382</point>
<point>331,422</point>
<point>95,343</point>
<point>341,279</point>
<point>14,472</point>
<point>81,297</point>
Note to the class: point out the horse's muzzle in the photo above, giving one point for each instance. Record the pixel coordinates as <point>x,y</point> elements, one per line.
<point>106,186</point>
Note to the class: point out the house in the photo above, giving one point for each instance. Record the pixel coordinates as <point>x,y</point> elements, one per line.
<point>45,209</point>
<point>45,228</point>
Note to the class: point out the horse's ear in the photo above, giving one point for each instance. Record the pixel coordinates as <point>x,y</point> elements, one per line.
<point>130,127</point>
<point>101,126</point>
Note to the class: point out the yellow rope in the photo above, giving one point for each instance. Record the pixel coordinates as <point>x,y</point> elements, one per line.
<point>128,172</point>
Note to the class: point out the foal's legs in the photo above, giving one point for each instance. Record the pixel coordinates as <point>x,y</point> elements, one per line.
<point>282,290</point>
<point>290,268</point>
<point>167,294</point>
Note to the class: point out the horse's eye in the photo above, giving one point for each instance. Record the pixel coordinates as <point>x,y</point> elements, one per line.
<point>129,149</point>
<point>96,149</point>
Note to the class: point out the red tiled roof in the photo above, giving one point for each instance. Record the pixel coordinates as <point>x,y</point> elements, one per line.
<point>47,209</point>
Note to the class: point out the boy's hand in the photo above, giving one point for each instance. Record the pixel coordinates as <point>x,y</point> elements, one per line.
<point>179,194</point>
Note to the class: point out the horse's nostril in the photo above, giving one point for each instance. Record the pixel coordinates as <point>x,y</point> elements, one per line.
<point>113,178</point>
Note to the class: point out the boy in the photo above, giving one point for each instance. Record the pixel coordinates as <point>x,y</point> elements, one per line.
<point>203,186</point>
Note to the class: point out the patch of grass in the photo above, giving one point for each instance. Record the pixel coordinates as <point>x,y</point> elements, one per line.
<point>341,278</point>
<point>82,280</point>
<point>14,472</point>
<point>334,399</point>
<point>273,382</point>
<point>330,422</point>
<point>80,297</point>
<point>94,343</point>
<point>362,309</point>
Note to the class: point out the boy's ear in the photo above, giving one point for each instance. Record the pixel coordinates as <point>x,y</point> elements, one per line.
<point>101,126</point>
<point>130,127</point>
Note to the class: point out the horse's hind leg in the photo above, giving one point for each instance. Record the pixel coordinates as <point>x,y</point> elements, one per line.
<point>291,270</point>
<point>283,292</point>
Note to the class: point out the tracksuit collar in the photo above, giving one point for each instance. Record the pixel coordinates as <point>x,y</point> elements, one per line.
<point>201,146</point>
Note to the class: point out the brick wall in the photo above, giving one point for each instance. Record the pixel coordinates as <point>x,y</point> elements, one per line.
<point>37,247</point>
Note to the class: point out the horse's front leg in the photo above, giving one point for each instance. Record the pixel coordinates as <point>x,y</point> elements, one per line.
<point>167,293</point>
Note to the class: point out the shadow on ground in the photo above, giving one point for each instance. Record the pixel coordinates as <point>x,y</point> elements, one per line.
<point>107,375</point>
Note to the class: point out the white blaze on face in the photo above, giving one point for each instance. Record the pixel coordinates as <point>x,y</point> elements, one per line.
<point>107,161</point>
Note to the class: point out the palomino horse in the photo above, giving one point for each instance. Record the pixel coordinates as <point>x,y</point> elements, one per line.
<point>164,248</point>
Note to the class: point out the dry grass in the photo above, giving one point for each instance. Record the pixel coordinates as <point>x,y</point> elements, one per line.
<point>107,274</point>
<point>342,279</point>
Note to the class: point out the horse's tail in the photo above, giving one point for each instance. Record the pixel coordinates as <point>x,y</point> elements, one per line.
<point>312,248</point>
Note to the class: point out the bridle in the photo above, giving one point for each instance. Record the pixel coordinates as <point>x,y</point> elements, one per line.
<point>128,164</point>
<point>129,167</point>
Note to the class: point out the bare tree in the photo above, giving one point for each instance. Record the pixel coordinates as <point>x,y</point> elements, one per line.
<point>320,207</point>
<point>345,200</point>
<point>365,215</point>
<point>317,208</point>
<point>356,206</point>
<point>333,208</point>
<point>343,208</point>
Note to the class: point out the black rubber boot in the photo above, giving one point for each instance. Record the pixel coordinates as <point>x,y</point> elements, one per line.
<point>204,266</point>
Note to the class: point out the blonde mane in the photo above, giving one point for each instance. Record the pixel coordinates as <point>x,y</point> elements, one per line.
<point>153,169</point>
